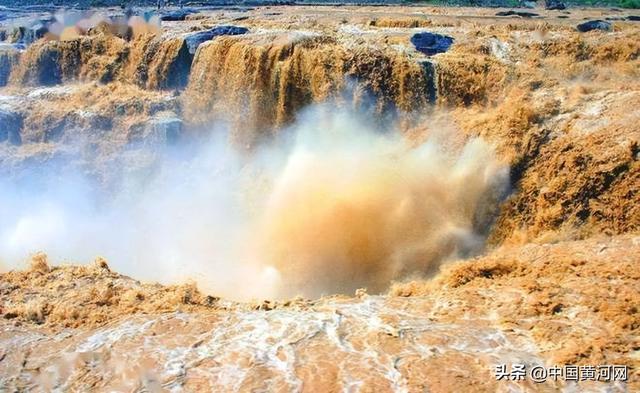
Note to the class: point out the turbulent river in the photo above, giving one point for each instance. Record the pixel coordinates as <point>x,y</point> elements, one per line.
<point>422,194</point>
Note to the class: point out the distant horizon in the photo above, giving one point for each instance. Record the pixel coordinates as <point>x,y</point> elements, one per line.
<point>629,4</point>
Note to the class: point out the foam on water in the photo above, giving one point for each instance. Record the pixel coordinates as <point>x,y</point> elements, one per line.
<point>367,340</point>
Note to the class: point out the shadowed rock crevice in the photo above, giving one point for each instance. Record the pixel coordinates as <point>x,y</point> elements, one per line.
<point>9,58</point>
<point>10,127</point>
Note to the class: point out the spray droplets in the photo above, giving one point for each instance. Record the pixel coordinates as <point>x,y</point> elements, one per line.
<point>331,206</point>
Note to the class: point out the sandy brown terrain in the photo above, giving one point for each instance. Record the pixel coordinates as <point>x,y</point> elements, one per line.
<point>555,281</point>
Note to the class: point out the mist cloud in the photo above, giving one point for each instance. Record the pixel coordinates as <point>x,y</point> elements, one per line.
<point>331,205</point>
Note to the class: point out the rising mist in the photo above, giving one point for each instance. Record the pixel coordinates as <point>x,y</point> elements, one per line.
<point>334,203</point>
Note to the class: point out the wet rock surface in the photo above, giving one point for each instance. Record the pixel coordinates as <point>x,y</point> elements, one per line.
<point>10,127</point>
<point>554,5</point>
<point>520,14</point>
<point>9,57</point>
<point>594,25</point>
<point>177,15</point>
<point>196,39</point>
<point>431,43</point>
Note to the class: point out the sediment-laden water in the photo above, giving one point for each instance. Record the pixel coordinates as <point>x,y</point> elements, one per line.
<point>309,153</point>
